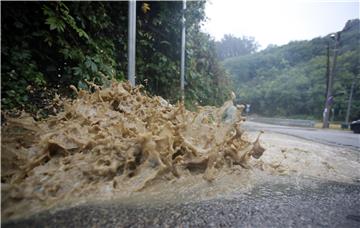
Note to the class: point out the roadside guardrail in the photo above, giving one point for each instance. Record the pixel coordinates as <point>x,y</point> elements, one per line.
<point>285,122</point>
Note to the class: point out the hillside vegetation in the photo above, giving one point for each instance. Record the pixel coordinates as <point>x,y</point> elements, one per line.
<point>48,46</point>
<point>290,80</point>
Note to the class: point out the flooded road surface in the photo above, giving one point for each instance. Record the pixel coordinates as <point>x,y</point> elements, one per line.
<point>310,203</point>
<point>296,183</point>
<point>327,136</point>
<point>117,157</point>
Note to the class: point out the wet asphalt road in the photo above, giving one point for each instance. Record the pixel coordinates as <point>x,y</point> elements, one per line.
<point>279,205</point>
<point>327,136</point>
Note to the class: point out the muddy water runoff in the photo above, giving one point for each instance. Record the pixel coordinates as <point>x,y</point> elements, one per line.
<point>118,143</point>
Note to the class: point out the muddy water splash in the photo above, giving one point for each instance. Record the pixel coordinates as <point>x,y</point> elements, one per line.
<point>116,138</point>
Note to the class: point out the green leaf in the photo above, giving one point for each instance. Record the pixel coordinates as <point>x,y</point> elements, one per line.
<point>93,67</point>
<point>77,70</point>
<point>55,23</point>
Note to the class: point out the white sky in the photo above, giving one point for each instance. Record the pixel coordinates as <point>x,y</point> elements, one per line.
<point>278,21</point>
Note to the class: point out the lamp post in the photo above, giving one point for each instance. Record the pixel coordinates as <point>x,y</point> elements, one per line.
<point>329,95</point>
<point>182,67</point>
<point>349,104</point>
<point>131,41</point>
<point>327,66</point>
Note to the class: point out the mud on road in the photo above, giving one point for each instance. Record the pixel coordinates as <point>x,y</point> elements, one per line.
<point>121,145</point>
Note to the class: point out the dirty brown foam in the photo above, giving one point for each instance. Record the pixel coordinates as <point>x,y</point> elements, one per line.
<point>116,135</point>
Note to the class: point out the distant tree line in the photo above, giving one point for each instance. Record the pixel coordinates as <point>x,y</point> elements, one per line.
<point>290,80</point>
<point>231,46</point>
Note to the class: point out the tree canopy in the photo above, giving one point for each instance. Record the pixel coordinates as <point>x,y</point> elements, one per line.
<point>290,80</point>
<point>231,46</point>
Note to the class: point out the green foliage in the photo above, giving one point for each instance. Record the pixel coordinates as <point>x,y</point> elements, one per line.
<point>231,46</point>
<point>290,80</point>
<point>158,50</point>
<point>56,44</point>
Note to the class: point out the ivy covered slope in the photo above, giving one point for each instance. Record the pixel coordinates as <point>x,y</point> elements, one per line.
<point>290,80</point>
<point>47,46</point>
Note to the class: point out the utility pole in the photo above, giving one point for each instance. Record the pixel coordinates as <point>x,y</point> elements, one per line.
<point>131,41</point>
<point>329,95</point>
<point>349,104</point>
<point>182,67</point>
<point>327,67</point>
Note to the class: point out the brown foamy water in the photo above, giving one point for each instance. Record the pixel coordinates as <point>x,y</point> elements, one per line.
<point>116,142</point>
<point>122,145</point>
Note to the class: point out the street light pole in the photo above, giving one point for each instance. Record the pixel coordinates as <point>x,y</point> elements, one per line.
<point>182,67</point>
<point>327,67</point>
<point>131,41</point>
<point>349,104</point>
<point>329,95</point>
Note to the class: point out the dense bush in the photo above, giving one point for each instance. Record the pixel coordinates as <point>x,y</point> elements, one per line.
<point>55,44</point>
